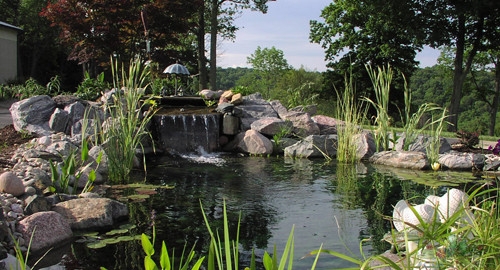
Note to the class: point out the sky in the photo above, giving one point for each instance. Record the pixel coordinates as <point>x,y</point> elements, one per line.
<point>286,27</point>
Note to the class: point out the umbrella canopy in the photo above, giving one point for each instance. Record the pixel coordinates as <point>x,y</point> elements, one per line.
<point>176,69</point>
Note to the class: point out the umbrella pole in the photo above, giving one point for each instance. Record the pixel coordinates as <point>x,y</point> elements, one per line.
<point>175,90</point>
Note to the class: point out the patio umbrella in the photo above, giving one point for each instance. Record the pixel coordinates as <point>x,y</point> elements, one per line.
<point>176,69</point>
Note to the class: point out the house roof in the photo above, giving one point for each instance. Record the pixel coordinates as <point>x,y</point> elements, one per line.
<point>10,26</point>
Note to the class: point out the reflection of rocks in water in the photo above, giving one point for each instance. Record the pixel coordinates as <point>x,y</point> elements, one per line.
<point>302,169</point>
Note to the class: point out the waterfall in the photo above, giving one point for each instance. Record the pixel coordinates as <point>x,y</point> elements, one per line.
<point>186,133</point>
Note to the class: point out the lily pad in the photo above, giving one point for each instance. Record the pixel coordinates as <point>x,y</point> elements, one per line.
<point>96,245</point>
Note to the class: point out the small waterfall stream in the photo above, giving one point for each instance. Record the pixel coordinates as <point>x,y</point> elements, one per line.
<point>187,129</point>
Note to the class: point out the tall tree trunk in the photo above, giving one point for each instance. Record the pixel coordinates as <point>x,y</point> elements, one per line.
<point>202,60</point>
<point>462,70</point>
<point>213,44</point>
<point>496,100</point>
<point>458,72</point>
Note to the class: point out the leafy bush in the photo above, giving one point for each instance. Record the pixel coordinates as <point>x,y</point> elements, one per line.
<point>92,89</point>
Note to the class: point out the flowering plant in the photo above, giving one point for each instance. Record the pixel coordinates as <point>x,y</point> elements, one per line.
<point>495,150</point>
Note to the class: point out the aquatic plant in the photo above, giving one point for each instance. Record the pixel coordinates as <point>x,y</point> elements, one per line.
<point>469,238</point>
<point>352,114</point>
<point>434,143</point>
<point>412,122</point>
<point>381,79</point>
<point>129,117</point>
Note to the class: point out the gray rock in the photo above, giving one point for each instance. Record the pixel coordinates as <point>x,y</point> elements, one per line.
<point>46,229</point>
<point>326,124</point>
<point>303,125</point>
<point>279,108</point>
<point>255,98</point>
<point>10,183</point>
<point>420,144</point>
<point>313,146</point>
<point>250,142</point>
<point>279,146</point>
<point>230,124</point>
<point>84,214</point>
<point>58,121</point>
<point>225,107</point>
<point>35,204</point>
<point>76,110</point>
<point>33,114</point>
<point>62,148</point>
<point>271,126</point>
<point>94,153</point>
<point>255,111</point>
<point>461,161</point>
<point>366,145</point>
<point>407,159</point>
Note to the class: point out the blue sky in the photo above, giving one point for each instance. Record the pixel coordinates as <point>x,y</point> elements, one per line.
<point>286,27</point>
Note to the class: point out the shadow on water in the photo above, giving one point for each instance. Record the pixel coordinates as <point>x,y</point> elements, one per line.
<point>331,204</point>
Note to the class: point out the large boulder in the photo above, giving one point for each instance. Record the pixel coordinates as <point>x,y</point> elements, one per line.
<point>461,161</point>
<point>251,142</point>
<point>279,108</point>
<point>365,145</point>
<point>33,114</point>
<point>420,144</point>
<point>45,229</point>
<point>326,124</point>
<point>85,213</point>
<point>408,159</point>
<point>303,125</point>
<point>59,120</point>
<point>313,146</point>
<point>271,126</point>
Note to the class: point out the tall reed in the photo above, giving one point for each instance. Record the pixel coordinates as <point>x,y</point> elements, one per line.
<point>413,124</point>
<point>381,80</point>
<point>432,148</point>
<point>129,118</point>
<point>352,113</point>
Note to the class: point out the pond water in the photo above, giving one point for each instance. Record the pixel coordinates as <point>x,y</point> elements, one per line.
<point>327,204</point>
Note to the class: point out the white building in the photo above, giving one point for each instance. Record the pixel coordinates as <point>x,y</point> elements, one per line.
<point>8,52</point>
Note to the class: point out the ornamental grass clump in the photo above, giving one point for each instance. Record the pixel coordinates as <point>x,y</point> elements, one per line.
<point>126,127</point>
<point>381,80</point>
<point>352,114</point>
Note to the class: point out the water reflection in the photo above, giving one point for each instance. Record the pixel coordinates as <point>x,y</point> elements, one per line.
<point>336,205</point>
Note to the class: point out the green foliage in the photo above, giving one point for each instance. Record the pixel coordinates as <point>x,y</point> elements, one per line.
<point>301,95</point>
<point>354,33</point>
<point>352,113</point>
<point>284,131</point>
<point>415,124</point>
<point>467,239</point>
<point>71,169</point>
<point>269,64</point>
<point>166,263</point>
<point>381,81</point>
<point>90,88</point>
<point>127,126</point>
<point>436,127</point>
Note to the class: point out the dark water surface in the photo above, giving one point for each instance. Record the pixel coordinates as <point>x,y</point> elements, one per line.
<point>327,204</point>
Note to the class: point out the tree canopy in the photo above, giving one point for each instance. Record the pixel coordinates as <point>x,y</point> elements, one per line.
<point>95,29</point>
<point>355,33</point>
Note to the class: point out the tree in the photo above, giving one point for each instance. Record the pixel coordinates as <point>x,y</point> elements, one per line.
<point>355,33</point>
<point>371,32</point>
<point>222,13</point>
<point>269,64</point>
<point>96,29</point>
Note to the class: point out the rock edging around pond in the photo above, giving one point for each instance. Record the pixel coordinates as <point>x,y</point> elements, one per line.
<point>57,122</point>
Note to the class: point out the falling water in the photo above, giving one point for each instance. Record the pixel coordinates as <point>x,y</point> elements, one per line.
<point>186,132</point>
